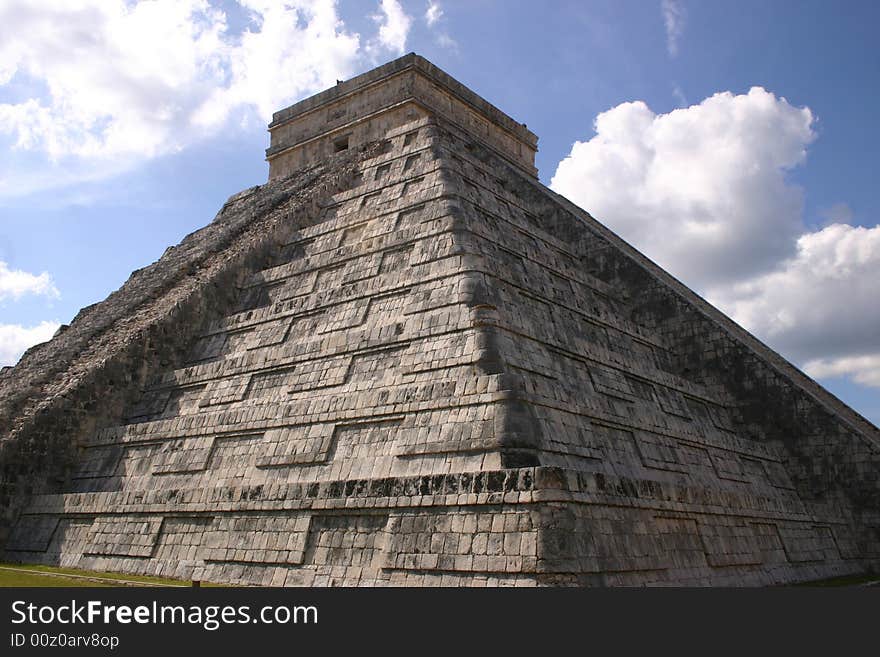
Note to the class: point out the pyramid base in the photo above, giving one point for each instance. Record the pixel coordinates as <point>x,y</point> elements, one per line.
<point>513,527</point>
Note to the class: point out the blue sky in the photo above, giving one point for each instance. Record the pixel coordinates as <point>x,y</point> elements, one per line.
<point>729,141</point>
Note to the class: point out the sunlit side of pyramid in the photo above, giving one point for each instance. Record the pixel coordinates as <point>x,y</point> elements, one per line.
<point>403,361</point>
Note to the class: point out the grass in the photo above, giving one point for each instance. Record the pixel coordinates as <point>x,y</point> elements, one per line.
<point>30,580</point>
<point>32,575</point>
<point>845,580</point>
<point>16,574</point>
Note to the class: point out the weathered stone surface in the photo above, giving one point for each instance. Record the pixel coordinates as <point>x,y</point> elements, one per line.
<point>409,363</point>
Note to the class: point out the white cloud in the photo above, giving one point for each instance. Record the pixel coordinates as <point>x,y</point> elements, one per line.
<point>15,339</point>
<point>433,13</point>
<point>100,85</point>
<point>862,369</point>
<point>673,21</point>
<point>15,283</point>
<point>292,51</point>
<point>820,304</point>
<point>120,79</point>
<point>394,24</point>
<point>702,189</point>
<point>703,192</point>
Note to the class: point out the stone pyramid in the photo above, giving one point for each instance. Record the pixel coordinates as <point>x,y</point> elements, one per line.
<point>404,361</point>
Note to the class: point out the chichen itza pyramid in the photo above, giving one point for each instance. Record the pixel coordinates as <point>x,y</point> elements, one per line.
<point>404,361</point>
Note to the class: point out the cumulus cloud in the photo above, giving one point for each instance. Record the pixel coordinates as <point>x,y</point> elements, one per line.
<point>673,21</point>
<point>703,188</point>
<point>822,302</point>
<point>119,79</point>
<point>288,52</point>
<point>394,24</point>
<point>95,85</point>
<point>15,283</point>
<point>703,191</point>
<point>15,339</point>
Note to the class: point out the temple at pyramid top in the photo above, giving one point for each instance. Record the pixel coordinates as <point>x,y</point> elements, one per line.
<point>404,361</point>
<point>365,108</point>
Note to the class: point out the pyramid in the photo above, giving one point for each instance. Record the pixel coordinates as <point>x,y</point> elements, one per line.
<point>404,361</point>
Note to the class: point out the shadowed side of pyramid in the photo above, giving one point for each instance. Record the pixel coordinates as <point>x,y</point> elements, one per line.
<point>433,370</point>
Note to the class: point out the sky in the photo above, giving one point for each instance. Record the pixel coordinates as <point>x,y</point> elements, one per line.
<point>731,142</point>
